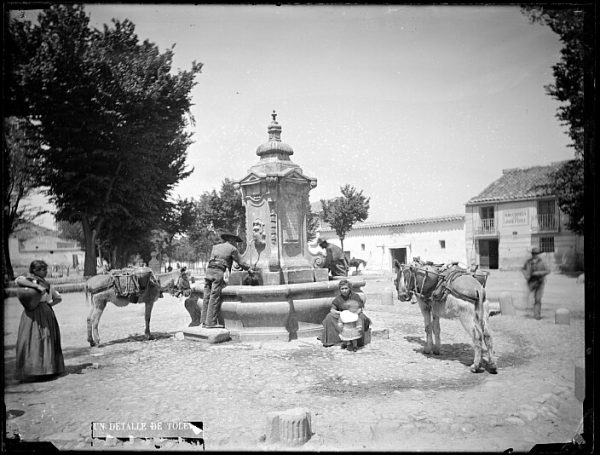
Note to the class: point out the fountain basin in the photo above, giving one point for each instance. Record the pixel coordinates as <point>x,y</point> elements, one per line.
<point>276,312</point>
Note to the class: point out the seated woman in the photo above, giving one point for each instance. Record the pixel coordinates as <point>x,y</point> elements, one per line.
<point>347,300</point>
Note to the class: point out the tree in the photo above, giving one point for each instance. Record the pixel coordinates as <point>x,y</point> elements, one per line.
<point>113,117</point>
<point>216,213</point>
<point>312,224</point>
<point>570,73</point>
<point>223,211</point>
<point>71,231</point>
<point>178,220</point>
<point>343,212</point>
<point>21,143</point>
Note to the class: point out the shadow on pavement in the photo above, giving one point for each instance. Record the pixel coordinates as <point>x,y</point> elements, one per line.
<point>139,338</point>
<point>461,352</point>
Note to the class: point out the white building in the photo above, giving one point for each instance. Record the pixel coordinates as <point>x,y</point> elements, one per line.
<point>515,213</point>
<point>36,242</point>
<point>439,239</point>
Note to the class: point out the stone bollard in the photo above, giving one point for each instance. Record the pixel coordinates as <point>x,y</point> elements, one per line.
<point>387,296</point>
<point>562,316</point>
<point>291,427</point>
<point>506,304</point>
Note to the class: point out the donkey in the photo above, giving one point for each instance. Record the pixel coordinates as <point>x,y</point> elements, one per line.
<point>463,298</point>
<point>103,289</point>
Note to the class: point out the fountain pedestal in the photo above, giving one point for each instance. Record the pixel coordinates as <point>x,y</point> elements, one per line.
<point>277,312</point>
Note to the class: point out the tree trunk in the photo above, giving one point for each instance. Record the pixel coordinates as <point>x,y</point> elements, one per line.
<point>6,263</point>
<point>89,268</point>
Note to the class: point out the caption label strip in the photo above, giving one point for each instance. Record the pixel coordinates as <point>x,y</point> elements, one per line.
<point>149,429</point>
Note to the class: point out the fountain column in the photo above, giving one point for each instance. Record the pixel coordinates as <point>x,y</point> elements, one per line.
<point>275,194</point>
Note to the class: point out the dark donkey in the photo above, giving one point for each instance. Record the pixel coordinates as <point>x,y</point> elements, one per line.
<point>448,294</point>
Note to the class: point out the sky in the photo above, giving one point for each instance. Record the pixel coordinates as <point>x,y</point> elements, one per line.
<point>420,107</point>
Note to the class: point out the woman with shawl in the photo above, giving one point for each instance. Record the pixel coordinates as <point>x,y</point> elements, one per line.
<point>347,300</point>
<point>39,353</point>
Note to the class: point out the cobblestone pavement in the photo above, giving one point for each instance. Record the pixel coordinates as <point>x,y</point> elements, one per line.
<point>387,396</point>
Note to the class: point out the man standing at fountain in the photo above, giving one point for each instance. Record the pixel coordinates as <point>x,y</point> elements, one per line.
<point>222,257</point>
<point>335,259</point>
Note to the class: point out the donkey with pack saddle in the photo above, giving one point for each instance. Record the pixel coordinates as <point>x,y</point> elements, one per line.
<point>448,291</point>
<point>121,287</point>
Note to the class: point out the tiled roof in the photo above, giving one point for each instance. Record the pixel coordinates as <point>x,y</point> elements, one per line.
<point>438,219</point>
<point>518,184</point>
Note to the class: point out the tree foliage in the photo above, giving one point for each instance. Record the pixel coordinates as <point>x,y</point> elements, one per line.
<point>215,213</point>
<point>113,117</point>
<point>312,224</point>
<point>343,212</point>
<point>21,142</point>
<point>176,221</point>
<point>569,88</point>
<point>71,231</point>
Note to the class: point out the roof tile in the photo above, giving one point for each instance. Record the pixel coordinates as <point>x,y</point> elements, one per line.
<point>518,183</point>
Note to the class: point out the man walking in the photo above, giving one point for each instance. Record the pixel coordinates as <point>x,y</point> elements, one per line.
<point>222,257</point>
<point>535,272</point>
<point>335,260</point>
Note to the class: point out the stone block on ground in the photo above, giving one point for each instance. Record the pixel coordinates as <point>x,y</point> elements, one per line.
<point>562,316</point>
<point>206,335</point>
<point>506,304</point>
<point>291,427</point>
<point>387,296</point>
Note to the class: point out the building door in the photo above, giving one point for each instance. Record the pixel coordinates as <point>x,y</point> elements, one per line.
<point>398,254</point>
<point>488,254</point>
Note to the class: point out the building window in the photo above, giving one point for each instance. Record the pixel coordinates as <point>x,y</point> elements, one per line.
<point>547,214</point>
<point>443,244</point>
<point>487,213</point>
<point>487,224</point>
<point>547,244</point>
<point>362,247</point>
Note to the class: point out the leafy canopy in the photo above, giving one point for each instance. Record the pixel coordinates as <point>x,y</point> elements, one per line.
<point>343,212</point>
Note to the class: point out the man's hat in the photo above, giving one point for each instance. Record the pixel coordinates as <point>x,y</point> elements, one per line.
<point>319,241</point>
<point>535,250</point>
<point>227,236</point>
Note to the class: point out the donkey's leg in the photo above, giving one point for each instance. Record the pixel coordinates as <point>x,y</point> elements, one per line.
<point>426,311</point>
<point>467,319</point>
<point>487,339</point>
<point>99,302</point>
<point>148,313</point>
<point>89,322</point>
<point>436,333</point>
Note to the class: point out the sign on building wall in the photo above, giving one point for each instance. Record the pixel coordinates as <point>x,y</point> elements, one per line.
<point>514,217</point>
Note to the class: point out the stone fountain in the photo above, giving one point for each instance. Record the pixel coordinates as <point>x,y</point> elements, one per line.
<point>294,293</point>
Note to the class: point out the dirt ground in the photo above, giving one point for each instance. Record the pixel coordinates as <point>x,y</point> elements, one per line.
<point>388,396</point>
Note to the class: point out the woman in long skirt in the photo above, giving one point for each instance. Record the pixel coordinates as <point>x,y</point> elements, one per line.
<point>347,300</point>
<point>39,352</point>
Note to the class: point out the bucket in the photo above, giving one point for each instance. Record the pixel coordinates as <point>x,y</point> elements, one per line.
<point>481,276</point>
